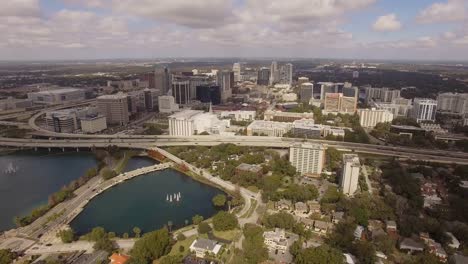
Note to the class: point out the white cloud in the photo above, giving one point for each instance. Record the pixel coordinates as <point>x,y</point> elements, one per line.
<point>19,8</point>
<point>450,11</point>
<point>87,3</point>
<point>387,23</point>
<point>195,14</point>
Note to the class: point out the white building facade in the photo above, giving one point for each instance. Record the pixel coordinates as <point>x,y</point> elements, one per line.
<point>371,117</point>
<point>350,174</point>
<point>424,109</point>
<point>308,159</point>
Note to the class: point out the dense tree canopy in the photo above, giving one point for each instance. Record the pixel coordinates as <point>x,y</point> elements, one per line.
<point>253,246</point>
<point>320,255</point>
<point>151,246</point>
<point>223,221</point>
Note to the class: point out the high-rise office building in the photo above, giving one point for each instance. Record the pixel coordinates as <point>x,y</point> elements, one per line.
<point>225,79</point>
<point>181,91</point>
<point>348,104</point>
<point>274,73</point>
<point>263,76</point>
<point>163,80</point>
<point>332,102</point>
<point>308,159</point>
<point>236,68</point>
<point>286,74</point>
<point>355,74</point>
<point>351,92</point>
<point>322,88</point>
<point>350,174</point>
<point>151,98</point>
<point>114,107</point>
<point>371,117</point>
<point>197,81</point>
<point>306,91</point>
<point>424,109</point>
<point>209,94</point>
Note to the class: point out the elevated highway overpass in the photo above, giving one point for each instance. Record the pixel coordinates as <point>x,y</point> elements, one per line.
<point>148,142</point>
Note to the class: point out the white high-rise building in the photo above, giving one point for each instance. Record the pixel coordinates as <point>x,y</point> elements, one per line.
<point>453,103</point>
<point>114,107</point>
<point>350,175</point>
<point>385,94</point>
<point>274,73</point>
<point>236,68</point>
<point>308,159</point>
<point>424,109</point>
<point>371,117</point>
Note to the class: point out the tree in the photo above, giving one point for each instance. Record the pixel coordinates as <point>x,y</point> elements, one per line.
<point>151,246</point>
<point>66,235</point>
<point>181,237</point>
<point>6,256</point>
<point>224,221</point>
<point>96,234</point>
<point>204,228</point>
<point>365,252</point>
<point>107,173</point>
<point>280,220</point>
<point>136,231</point>
<point>254,249</point>
<point>125,235</point>
<point>320,255</point>
<point>197,219</point>
<point>105,244</point>
<point>219,200</point>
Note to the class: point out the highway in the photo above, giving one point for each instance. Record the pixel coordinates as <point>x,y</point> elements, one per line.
<point>147,142</point>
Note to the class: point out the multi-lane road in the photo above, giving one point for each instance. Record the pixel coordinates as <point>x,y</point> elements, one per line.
<point>146,142</point>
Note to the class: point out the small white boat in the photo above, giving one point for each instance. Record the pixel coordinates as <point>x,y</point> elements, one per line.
<point>170,198</point>
<point>167,197</point>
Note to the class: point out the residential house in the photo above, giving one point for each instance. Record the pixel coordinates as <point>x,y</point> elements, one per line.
<point>276,240</point>
<point>322,227</point>
<point>374,225</point>
<point>337,217</point>
<point>202,246</point>
<point>118,258</point>
<point>308,223</point>
<point>314,207</point>
<point>411,245</point>
<point>301,208</point>
<point>284,204</point>
<point>391,228</point>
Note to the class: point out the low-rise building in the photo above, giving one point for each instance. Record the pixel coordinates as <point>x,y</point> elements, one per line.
<point>167,104</point>
<point>301,208</point>
<point>337,217</point>
<point>117,258</point>
<point>369,118</point>
<point>11,103</point>
<point>272,115</point>
<point>284,204</point>
<point>411,245</point>
<point>306,128</point>
<point>322,227</point>
<point>276,240</point>
<point>193,122</point>
<point>314,207</point>
<point>391,227</point>
<point>249,168</point>
<point>268,128</point>
<point>239,115</point>
<point>93,124</point>
<point>65,120</point>
<point>202,246</point>
<point>57,96</point>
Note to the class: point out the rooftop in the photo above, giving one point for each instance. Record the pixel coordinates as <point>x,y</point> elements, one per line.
<point>204,243</point>
<point>113,96</point>
<point>249,167</point>
<point>186,114</point>
<point>352,158</point>
<point>261,124</point>
<point>118,258</point>
<point>59,91</point>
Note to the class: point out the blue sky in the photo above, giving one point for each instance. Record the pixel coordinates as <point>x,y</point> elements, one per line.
<point>361,29</point>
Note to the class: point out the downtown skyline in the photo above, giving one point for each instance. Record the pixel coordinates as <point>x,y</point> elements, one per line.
<point>353,29</point>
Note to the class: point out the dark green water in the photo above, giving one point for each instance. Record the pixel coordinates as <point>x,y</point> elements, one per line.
<point>142,202</point>
<point>38,175</point>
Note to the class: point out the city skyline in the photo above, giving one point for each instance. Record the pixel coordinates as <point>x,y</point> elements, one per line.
<point>358,29</point>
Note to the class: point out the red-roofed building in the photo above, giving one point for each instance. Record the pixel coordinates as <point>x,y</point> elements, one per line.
<point>118,258</point>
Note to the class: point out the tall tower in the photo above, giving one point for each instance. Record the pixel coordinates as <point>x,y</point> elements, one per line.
<point>163,79</point>
<point>236,68</point>
<point>274,73</point>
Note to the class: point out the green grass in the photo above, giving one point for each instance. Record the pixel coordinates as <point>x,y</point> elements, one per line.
<point>253,189</point>
<point>231,235</point>
<point>185,243</point>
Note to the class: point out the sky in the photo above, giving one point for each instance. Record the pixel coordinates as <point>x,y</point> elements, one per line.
<point>351,29</point>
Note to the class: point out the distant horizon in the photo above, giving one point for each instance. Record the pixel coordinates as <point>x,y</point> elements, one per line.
<point>235,59</point>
